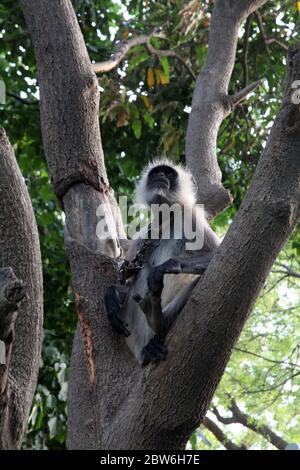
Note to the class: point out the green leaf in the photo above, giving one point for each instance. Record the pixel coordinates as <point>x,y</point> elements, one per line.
<point>149,120</point>
<point>165,65</point>
<point>193,441</point>
<point>137,128</point>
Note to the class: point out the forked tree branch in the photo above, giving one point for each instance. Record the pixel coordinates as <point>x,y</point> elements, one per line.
<point>125,47</point>
<point>243,418</point>
<point>266,39</point>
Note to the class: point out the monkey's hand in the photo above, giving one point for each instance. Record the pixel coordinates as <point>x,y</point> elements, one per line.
<point>113,309</point>
<point>155,351</point>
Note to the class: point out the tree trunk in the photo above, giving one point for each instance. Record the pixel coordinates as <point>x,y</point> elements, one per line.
<point>113,403</point>
<point>22,333</point>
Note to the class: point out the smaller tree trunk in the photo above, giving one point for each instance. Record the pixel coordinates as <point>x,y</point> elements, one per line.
<point>20,335</point>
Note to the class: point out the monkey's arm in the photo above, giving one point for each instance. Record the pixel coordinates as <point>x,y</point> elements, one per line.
<point>190,264</point>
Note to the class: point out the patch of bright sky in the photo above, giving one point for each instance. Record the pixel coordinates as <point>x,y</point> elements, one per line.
<point>287,295</point>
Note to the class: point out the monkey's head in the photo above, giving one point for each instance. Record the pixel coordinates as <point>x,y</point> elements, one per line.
<point>163,182</point>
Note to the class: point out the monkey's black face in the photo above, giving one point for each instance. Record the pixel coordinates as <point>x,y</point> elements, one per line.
<point>162,183</point>
<point>161,180</point>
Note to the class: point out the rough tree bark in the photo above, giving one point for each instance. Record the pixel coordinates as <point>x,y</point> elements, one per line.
<point>112,402</point>
<point>22,333</point>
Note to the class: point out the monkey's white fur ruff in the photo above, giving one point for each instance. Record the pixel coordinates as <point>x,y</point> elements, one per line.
<point>187,191</point>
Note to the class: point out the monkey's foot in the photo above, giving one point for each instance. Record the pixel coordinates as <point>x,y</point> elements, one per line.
<point>113,309</point>
<point>154,351</point>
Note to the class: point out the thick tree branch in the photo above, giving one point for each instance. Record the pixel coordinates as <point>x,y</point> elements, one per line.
<point>219,434</point>
<point>19,248</point>
<point>211,103</point>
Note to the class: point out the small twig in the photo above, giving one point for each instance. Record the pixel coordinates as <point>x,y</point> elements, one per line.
<point>276,41</point>
<point>290,364</point>
<point>262,32</point>
<point>246,49</point>
<point>169,53</point>
<point>268,40</point>
<point>21,100</point>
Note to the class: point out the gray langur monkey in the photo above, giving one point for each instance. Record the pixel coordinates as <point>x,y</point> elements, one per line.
<point>144,306</point>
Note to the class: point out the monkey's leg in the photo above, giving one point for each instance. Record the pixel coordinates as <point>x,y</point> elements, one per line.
<point>173,308</point>
<point>113,305</point>
<point>155,350</point>
<point>151,303</point>
<point>160,321</point>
